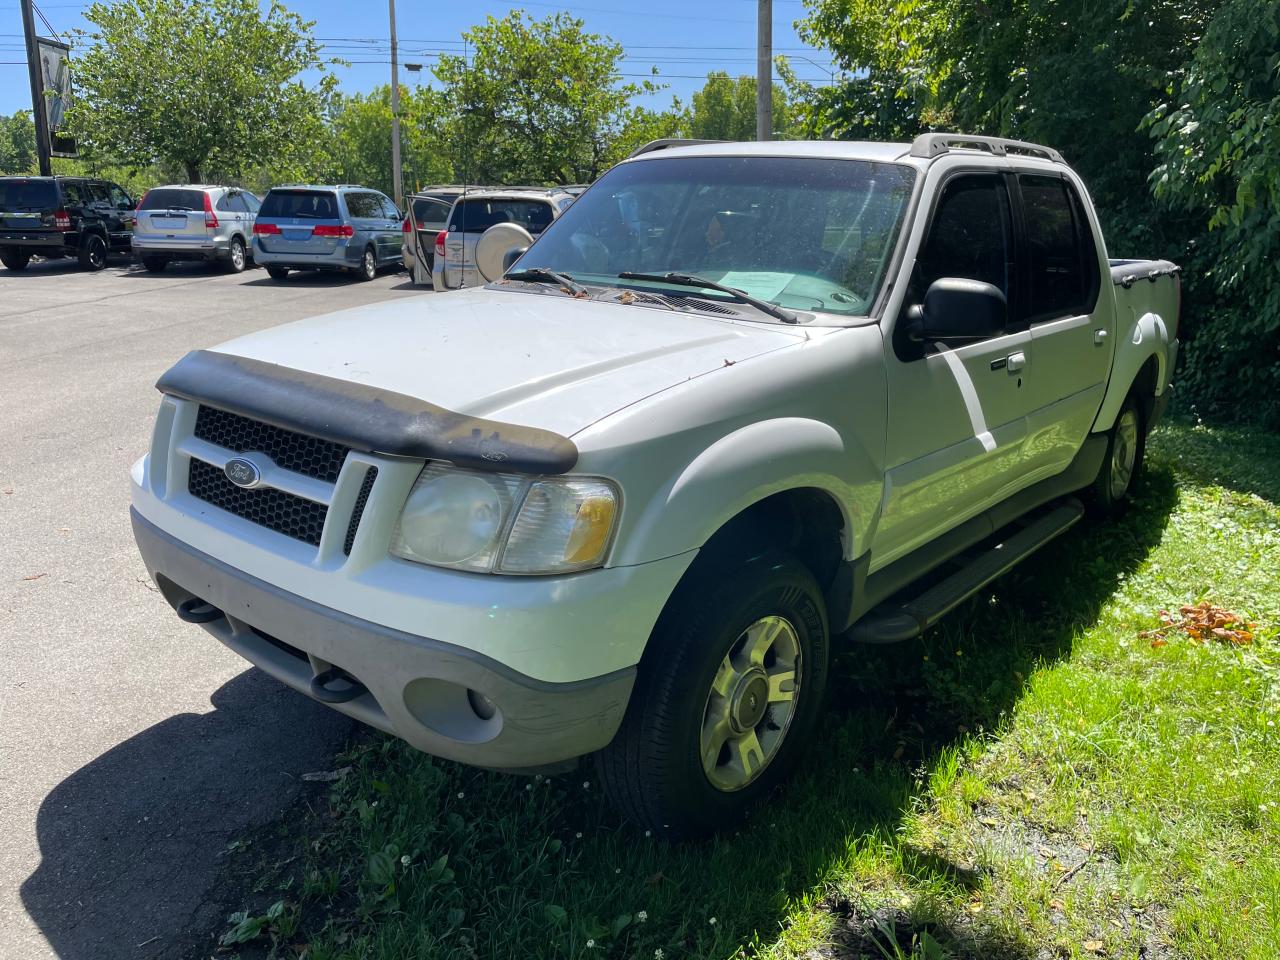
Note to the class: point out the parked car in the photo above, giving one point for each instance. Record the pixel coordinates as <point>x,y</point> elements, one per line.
<point>456,247</point>
<point>195,222</point>
<point>624,501</point>
<point>340,227</point>
<point>54,217</point>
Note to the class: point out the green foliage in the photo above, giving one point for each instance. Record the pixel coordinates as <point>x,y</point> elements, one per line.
<point>210,86</point>
<point>1217,138</point>
<point>17,143</point>
<point>725,108</point>
<point>1082,75</point>
<point>360,138</point>
<point>541,101</point>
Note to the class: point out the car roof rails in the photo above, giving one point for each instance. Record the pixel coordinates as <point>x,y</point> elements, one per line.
<point>666,143</point>
<point>930,145</point>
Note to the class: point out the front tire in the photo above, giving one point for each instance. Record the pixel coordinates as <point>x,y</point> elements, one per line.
<point>93,252</point>
<point>14,260</point>
<point>727,695</point>
<point>368,268</point>
<point>1126,449</point>
<point>277,273</point>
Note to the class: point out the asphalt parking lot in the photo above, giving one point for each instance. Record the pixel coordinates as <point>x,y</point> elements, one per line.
<point>133,747</point>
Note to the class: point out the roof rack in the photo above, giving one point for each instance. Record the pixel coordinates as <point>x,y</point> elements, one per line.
<point>930,145</point>
<point>655,145</point>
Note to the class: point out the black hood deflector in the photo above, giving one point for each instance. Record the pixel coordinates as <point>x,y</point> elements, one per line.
<point>364,417</point>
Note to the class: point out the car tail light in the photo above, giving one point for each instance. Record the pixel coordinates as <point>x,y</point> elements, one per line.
<point>407,226</point>
<point>61,221</point>
<point>266,230</point>
<point>333,230</point>
<point>142,204</point>
<point>210,220</point>
<point>440,242</point>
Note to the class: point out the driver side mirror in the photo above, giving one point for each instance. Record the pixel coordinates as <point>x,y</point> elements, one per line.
<point>511,256</point>
<point>956,310</point>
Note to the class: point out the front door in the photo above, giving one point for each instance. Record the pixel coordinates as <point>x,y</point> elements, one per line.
<point>957,422</point>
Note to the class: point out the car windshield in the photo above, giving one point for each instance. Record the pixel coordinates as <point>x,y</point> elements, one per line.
<point>170,198</point>
<point>803,233</point>
<point>27,196</point>
<point>305,204</point>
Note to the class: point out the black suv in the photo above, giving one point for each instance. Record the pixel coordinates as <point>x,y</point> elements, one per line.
<point>63,217</point>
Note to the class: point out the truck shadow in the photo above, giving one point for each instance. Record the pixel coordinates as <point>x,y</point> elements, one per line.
<point>131,843</point>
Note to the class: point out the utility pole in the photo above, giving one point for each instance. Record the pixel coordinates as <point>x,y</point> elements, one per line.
<point>395,110</point>
<point>38,105</point>
<point>764,72</point>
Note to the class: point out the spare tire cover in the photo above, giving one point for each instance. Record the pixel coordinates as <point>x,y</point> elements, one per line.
<point>493,245</point>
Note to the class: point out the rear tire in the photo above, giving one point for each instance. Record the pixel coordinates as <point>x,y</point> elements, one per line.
<point>236,256</point>
<point>15,260</point>
<point>93,252</point>
<point>154,264</point>
<point>727,695</point>
<point>277,273</point>
<point>1126,449</point>
<point>368,268</point>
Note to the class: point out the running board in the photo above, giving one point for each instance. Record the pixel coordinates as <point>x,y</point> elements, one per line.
<point>894,621</point>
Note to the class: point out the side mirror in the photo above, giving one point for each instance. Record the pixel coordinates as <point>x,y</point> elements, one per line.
<point>129,205</point>
<point>511,256</point>
<point>958,310</point>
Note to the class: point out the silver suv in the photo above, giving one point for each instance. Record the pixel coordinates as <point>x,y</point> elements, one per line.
<point>195,222</point>
<point>531,208</point>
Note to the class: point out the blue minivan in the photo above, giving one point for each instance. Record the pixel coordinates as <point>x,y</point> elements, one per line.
<point>340,227</point>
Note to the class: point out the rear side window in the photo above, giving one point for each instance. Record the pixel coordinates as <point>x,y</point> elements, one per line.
<point>478,215</point>
<point>233,203</point>
<point>1060,252</point>
<point>251,201</point>
<point>971,236</point>
<point>171,198</point>
<point>28,196</point>
<point>364,205</point>
<point>430,214</point>
<point>75,193</point>
<point>306,204</point>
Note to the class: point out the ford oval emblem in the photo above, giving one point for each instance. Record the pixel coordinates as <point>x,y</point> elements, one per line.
<point>243,473</point>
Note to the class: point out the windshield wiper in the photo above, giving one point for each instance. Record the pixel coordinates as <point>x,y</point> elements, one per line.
<point>690,280</point>
<point>543,275</point>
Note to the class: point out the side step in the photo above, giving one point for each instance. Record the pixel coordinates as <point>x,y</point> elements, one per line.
<point>896,620</point>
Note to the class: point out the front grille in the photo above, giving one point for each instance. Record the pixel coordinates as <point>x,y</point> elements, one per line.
<point>274,509</point>
<point>311,456</point>
<point>358,510</point>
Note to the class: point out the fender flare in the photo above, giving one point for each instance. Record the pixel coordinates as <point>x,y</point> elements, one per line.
<point>1148,337</point>
<point>741,469</point>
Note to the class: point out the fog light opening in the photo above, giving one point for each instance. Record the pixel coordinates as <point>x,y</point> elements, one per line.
<point>482,706</point>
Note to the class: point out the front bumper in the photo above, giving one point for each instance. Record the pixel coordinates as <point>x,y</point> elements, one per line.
<point>417,687</point>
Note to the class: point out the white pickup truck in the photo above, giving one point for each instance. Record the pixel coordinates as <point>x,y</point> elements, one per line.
<point>725,413</point>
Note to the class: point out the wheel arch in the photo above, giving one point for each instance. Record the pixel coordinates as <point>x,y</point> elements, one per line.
<point>1140,364</point>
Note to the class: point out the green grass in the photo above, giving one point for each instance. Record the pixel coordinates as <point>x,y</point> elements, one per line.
<point>1032,779</point>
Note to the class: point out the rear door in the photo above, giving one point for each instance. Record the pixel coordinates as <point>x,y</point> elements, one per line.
<point>957,413</point>
<point>172,213</point>
<point>392,233</point>
<point>1072,330</point>
<point>368,218</point>
<point>120,217</point>
<point>297,213</point>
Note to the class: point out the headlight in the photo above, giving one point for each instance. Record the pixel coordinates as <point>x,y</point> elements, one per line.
<point>505,523</point>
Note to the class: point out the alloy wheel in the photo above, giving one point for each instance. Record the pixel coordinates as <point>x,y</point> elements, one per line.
<point>1124,453</point>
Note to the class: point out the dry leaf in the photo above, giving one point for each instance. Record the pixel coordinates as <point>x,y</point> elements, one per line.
<point>1202,622</point>
<point>1093,946</point>
<point>35,576</point>
<point>1056,904</point>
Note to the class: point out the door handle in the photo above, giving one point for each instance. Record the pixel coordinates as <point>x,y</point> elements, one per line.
<point>1099,336</point>
<point>1016,361</point>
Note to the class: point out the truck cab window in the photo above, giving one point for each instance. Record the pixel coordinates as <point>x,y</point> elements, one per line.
<point>1060,249</point>
<point>971,236</point>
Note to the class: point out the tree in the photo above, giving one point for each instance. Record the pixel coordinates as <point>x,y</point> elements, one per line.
<point>540,102</point>
<point>17,143</point>
<point>725,108</point>
<point>210,86</point>
<point>360,138</point>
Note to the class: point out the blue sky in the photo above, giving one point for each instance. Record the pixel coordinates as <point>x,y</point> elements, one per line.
<point>683,40</point>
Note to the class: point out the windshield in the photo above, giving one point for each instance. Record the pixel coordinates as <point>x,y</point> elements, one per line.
<point>808,234</point>
<point>22,196</point>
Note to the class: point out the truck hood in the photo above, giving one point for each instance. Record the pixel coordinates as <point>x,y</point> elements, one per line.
<point>537,360</point>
